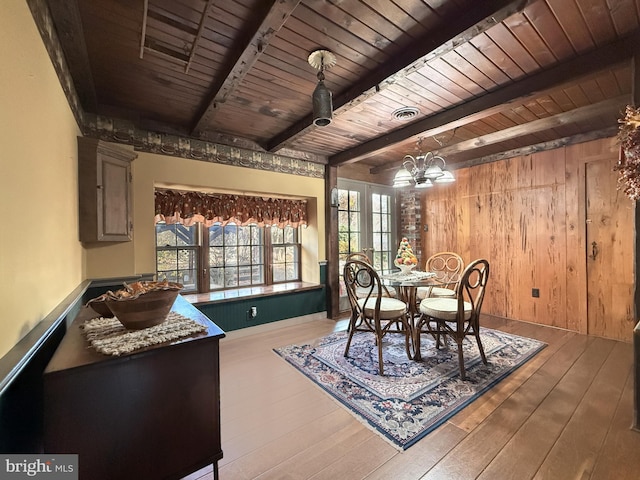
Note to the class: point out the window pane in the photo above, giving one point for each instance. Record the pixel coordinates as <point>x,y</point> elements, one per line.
<point>343,199</point>
<point>216,257</point>
<point>291,254</point>
<point>230,235</point>
<point>216,236</point>
<point>257,274</point>
<point>355,243</point>
<point>279,274</point>
<point>354,221</point>
<point>216,278</point>
<point>230,277</point>
<point>244,276</point>
<point>244,255</point>
<point>166,260</point>
<point>188,279</point>
<point>278,255</point>
<point>289,235</point>
<point>277,235</point>
<point>230,255</point>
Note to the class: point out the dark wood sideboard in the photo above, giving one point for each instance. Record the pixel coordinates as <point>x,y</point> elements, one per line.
<point>151,414</point>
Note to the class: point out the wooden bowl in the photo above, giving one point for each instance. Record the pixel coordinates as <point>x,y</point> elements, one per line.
<point>100,307</point>
<point>144,311</point>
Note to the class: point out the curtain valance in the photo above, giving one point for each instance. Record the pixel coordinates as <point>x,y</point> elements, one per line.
<point>191,207</point>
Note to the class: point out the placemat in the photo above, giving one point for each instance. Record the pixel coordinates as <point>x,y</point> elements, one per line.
<point>110,337</point>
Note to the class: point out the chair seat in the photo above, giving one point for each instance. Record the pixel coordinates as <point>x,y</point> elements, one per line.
<point>444,308</point>
<point>390,308</point>
<point>423,292</point>
<point>363,292</point>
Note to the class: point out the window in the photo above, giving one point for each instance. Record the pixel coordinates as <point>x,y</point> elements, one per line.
<point>177,254</point>
<point>285,254</point>
<point>234,256</point>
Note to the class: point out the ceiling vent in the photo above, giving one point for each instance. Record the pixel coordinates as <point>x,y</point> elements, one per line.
<point>405,113</point>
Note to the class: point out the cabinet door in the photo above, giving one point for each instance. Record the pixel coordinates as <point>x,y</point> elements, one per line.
<point>105,202</point>
<point>114,202</point>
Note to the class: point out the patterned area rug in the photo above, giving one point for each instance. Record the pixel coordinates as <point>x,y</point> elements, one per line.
<point>412,398</point>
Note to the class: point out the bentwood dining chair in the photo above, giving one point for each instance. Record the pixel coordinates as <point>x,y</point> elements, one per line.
<point>373,312</point>
<point>447,267</point>
<point>457,317</point>
<point>386,291</point>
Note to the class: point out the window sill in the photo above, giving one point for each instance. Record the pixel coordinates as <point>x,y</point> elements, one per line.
<point>249,292</point>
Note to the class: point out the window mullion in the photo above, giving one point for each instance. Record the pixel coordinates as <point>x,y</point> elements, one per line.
<point>268,257</point>
<point>203,259</point>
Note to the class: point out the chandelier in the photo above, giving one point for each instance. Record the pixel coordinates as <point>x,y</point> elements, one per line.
<point>424,170</point>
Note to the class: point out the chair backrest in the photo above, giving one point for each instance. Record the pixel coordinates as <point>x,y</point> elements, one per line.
<point>361,281</point>
<point>471,288</point>
<point>446,265</point>
<point>358,256</point>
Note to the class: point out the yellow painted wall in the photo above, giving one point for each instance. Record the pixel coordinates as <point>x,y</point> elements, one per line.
<point>41,259</point>
<point>151,170</point>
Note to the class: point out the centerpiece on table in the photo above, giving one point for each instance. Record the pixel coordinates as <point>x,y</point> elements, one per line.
<point>405,259</point>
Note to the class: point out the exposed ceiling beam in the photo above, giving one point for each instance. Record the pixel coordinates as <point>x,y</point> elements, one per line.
<point>273,20</point>
<point>480,18</point>
<point>579,68</point>
<point>613,105</point>
<point>538,147</point>
<point>66,18</point>
<point>580,114</point>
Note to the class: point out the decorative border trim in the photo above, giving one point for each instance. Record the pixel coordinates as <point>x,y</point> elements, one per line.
<point>125,132</point>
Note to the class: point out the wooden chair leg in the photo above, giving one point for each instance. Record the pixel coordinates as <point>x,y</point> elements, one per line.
<point>352,329</point>
<point>380,362</point>
<point>463,375</point>
<point>480,347</point>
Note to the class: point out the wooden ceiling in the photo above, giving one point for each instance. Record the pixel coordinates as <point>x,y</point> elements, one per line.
<point>488,78</point>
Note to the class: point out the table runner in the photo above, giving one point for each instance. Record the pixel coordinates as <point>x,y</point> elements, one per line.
<point>110,337</point>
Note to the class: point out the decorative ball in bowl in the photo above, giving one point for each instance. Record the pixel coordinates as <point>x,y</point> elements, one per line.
<point>143,304</point>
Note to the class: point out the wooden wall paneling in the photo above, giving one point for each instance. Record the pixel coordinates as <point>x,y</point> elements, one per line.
<point>622,263</point>
<point>525,256</point>
<point>576,276</point>
<point>550,255</point>
<point>524,171</point>
<point>512,245</point>
<point>496,291</point>
<point>463,214</point>
<point>549,173</point>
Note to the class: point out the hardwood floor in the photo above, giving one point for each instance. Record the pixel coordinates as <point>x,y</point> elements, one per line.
<point>566,414</point>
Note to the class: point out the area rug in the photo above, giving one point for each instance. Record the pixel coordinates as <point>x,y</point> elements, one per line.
<point>413,397</point>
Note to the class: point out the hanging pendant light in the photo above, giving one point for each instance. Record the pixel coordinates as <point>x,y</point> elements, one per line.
<point>322,97</point>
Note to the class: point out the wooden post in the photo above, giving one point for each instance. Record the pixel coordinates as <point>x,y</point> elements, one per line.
<point>331,240</point>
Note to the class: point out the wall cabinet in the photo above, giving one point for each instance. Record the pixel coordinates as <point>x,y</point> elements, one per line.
<point>105,194</point>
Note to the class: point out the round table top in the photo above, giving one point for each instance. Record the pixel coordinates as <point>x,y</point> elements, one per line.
<point>414,278</point>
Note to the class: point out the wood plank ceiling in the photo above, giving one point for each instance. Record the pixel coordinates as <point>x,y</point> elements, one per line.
<point>487,78</point>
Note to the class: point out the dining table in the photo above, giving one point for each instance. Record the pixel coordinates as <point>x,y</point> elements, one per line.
<point>406,285</point>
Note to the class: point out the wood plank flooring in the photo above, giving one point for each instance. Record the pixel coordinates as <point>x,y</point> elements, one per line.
<point>566,414</point>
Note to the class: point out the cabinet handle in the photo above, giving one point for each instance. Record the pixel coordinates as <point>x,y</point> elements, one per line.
<point>99,187</point>
<point>594,251</point>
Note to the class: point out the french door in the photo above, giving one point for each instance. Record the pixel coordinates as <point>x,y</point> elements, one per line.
<point>366,223</point>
